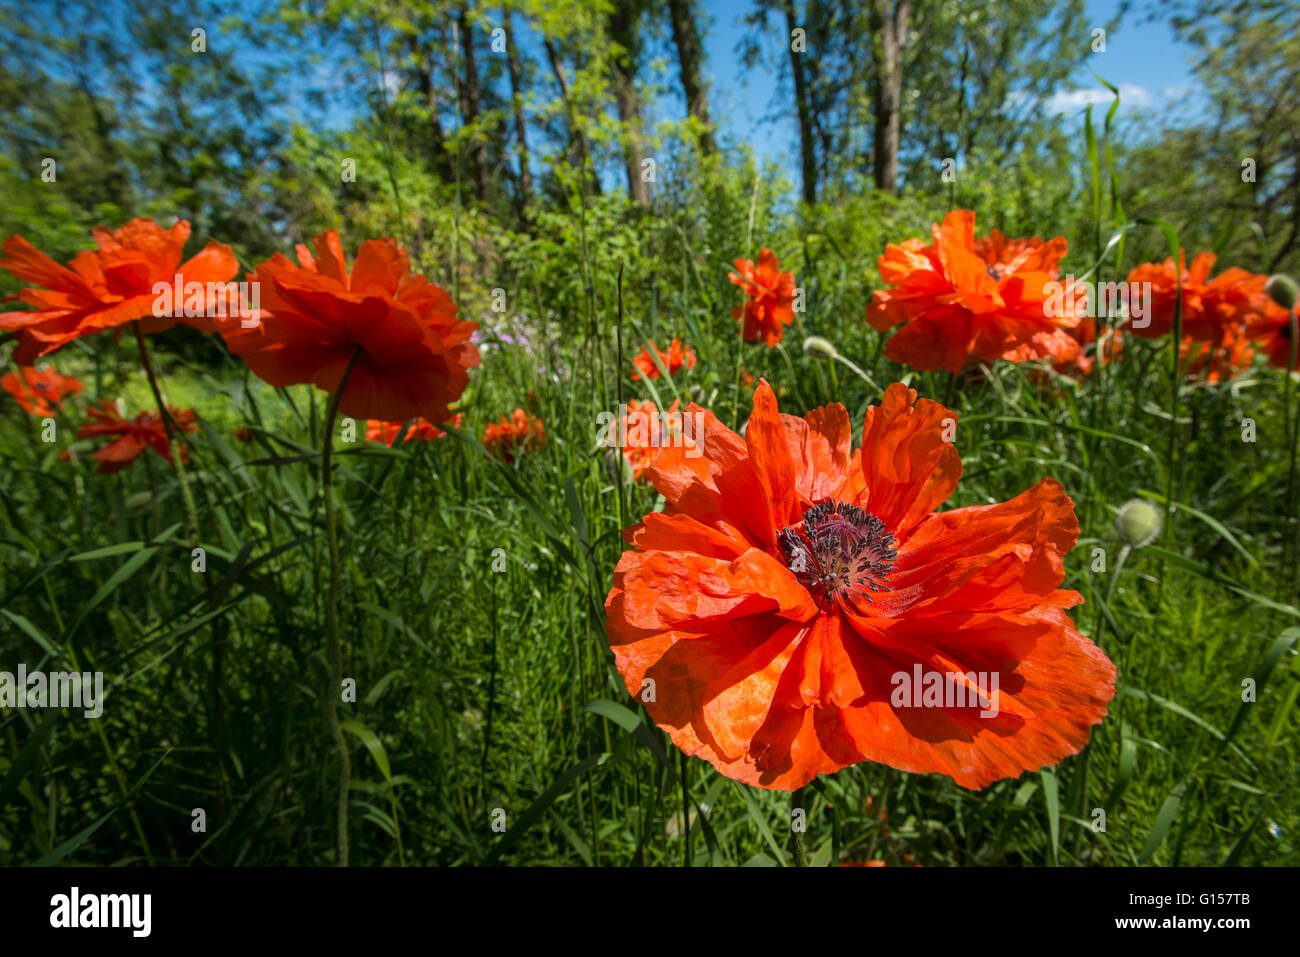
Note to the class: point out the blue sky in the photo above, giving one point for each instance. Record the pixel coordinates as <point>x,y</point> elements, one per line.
<point>1144,60</point>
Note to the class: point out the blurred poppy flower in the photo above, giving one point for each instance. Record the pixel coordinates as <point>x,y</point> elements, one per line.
<point>419,431</point>
<point>1234,297</point>
<point>673,360</point>
<point>1082,363</point>
<point>1219,361</point>
<point>769,298</point>
<point>110,286</point>
<point>508,438</point>
<point>39,392</point>
<point>244,434</point>
<point>398,333</point>
<point>791,581</point>
<point>133,435</point>
<point>956,305</point>
<point>1004,253</point>
<point>645,433</point>
<point>1271,329</point>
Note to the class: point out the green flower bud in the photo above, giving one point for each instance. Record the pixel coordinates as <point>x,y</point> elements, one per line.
<point>616,462</point>
<point>819,348</point>
<point>1282,290</point>
<point>1138,523</point>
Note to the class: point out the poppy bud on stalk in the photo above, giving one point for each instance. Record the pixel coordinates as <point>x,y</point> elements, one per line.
<point>1282,290</point>
<point>1138,523</point>
<point>819,348</point>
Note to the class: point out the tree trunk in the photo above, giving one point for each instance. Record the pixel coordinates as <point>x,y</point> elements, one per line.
<point>437,139</point>
<point>807,148</point>
<point>470,107</point>
<point>622,28</point>
<point>687,40</point>
<point>890,27</point>
<point>521,125</point>
<point>576,138</point>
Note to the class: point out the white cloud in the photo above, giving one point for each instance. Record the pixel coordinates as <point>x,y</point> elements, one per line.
<point>1070,101</point>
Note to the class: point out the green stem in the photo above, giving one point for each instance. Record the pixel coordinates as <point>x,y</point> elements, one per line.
<point>171,428</point>
<point>1292,418</point>
<point>332,613</point>
<point>798,845</point>
<point>686,811</point>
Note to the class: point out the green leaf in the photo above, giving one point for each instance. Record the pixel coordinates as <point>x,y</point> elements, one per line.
<point>1164,821</point>
<point>74,842</point>
<point>372,743</point>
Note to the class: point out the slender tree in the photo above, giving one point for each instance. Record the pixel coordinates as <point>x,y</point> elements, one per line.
<point>623,23</point>
<point>686,38</point>
<point>517,99</point>
<point>889,22</point>
<point>470,102</point>
<point>803,108</point>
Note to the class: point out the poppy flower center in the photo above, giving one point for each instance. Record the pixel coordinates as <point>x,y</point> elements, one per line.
<point>994,273</point>
<point>841,550</point>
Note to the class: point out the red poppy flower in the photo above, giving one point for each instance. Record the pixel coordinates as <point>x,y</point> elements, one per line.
<point>769,298</point>
<point>793,587</point>
<point>1082,363</point>
<point>507,438</point>
<point>419,431</point>
<point>111,286</point>
<point>39,392</point>
<point>643,434</point>
<point>412,355</point>
<point>146,430</point>
<point>1219,361</point>
<point>673,360</point>
<point>244,434</point>
<point>956,305</point>
<point>1271,328</point>
<point>1002,252</point>
<point>1235,296</point>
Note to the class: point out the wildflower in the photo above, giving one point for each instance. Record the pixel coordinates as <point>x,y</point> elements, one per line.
<point>1210,307</point>
<point>109,287</point>
<point>39,392</point>
<point>791,579</point>
<point>393,335</point>
<point>676,358</point>
<point>644,435</point>
<point>419,431</point>
<point>769,298</point>
<point>508,438</point>
<point>133,435</point>
<point>955,306</point>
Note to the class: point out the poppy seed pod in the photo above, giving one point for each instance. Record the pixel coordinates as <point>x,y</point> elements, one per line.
<point>1138,523</point>
<point>1282,290</point>
<point>819,348</point>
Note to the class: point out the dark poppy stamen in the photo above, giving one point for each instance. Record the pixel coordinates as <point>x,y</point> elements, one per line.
<point>993,273</point>
<point>841,550</point>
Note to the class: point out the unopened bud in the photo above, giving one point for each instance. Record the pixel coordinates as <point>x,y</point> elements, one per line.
<point>1138,523</point>
<point>1282,290</point>
<point>819,348</point>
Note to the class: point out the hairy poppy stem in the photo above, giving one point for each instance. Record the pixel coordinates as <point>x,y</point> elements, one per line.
<point>1292,416</point>
<point>798,825</point>
<point>332,613</point>
<point>170,427</point>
